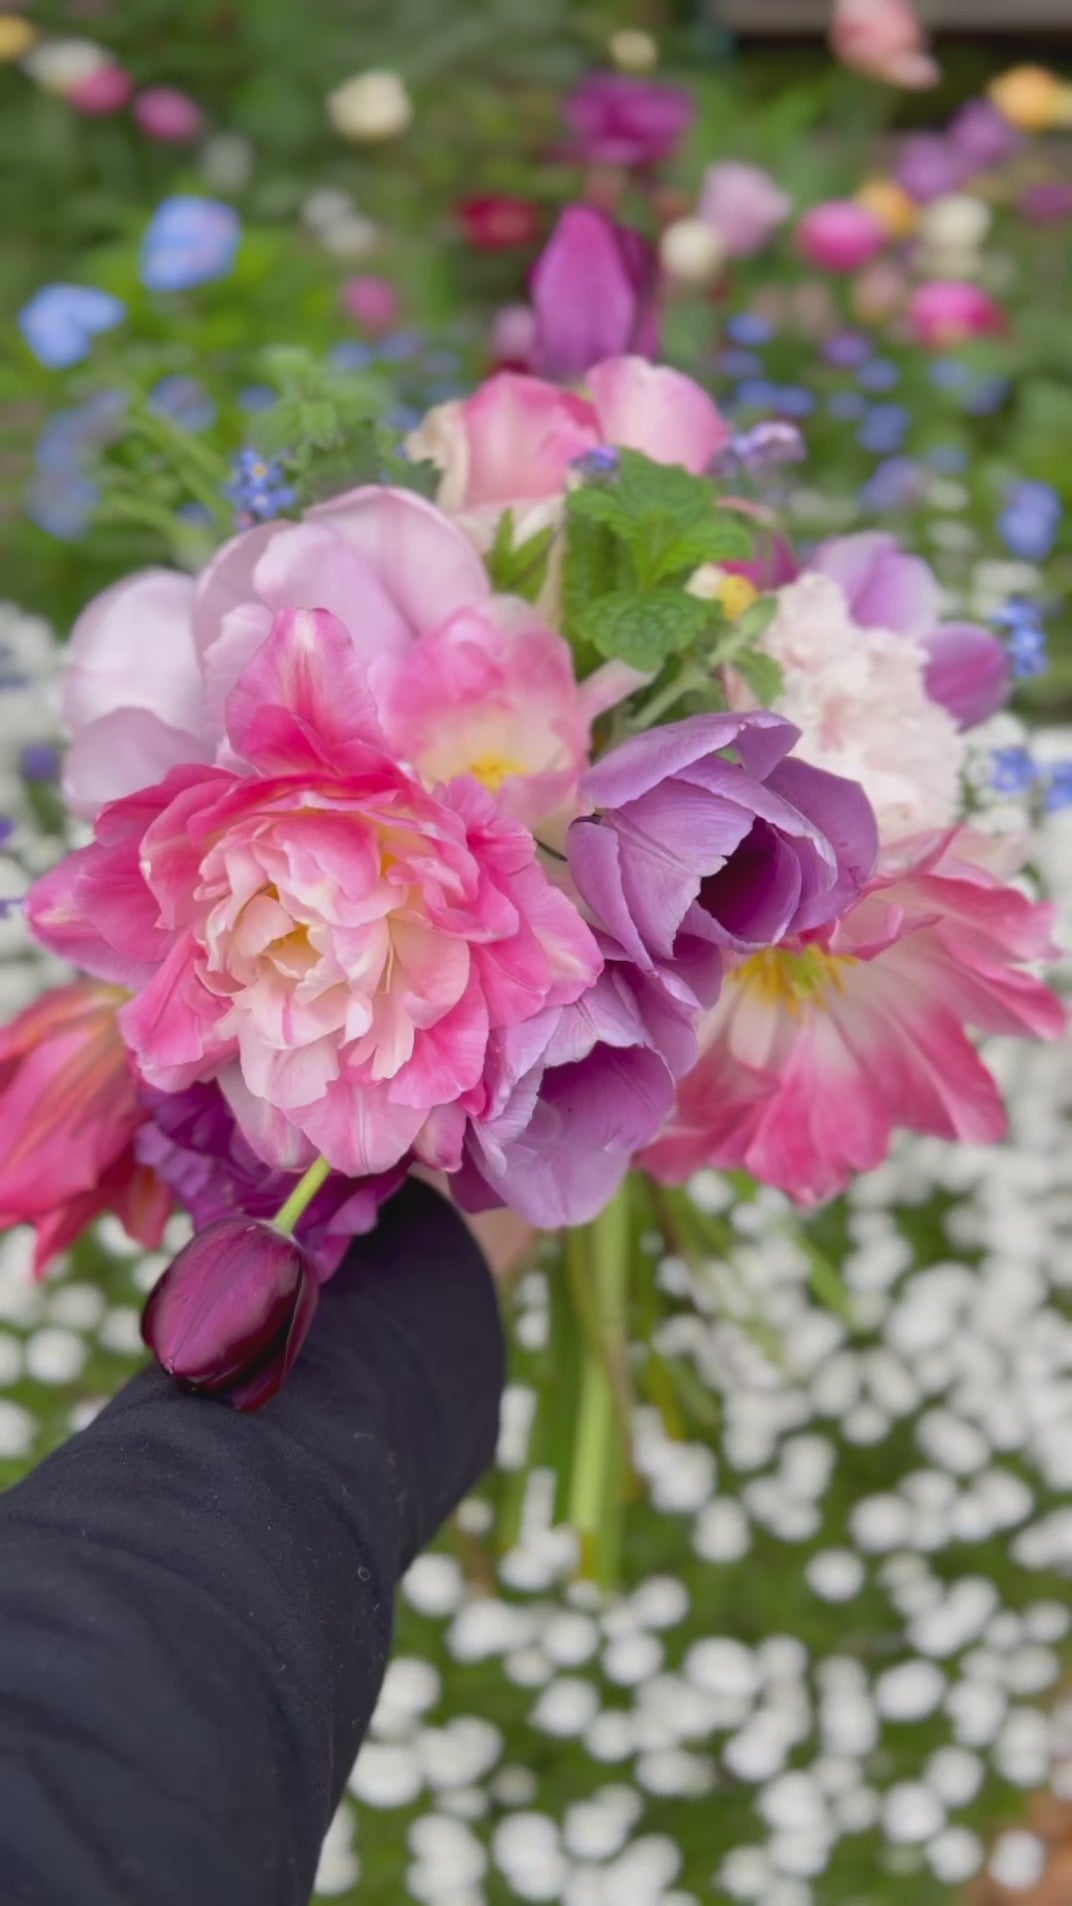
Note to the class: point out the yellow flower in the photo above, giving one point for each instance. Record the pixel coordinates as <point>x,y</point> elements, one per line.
<point>896,211</point>
<point>1030,97</point>
<point>734,594</point>
<point>16,36</point>
<point>633,50</point>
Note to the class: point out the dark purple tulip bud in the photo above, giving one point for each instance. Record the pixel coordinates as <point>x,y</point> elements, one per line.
<point>232,1311</point>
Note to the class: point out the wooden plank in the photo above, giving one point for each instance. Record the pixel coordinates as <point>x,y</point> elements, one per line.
<point>813,16</point>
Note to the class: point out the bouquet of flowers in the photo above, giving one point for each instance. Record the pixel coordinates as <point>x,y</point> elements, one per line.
<point>537,818</point>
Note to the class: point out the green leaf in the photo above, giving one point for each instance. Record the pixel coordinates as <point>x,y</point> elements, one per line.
<point>763,675</point>
<point>590,570</point>
<point>519,569</point>
<point>643,629</point>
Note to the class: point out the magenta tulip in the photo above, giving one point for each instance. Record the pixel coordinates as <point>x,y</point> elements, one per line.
<point>840,235</point>
<point>593,292</point>
<point>232,1311</point>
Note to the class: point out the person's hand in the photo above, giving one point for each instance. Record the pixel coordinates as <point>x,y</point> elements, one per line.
<point>195,1603</point>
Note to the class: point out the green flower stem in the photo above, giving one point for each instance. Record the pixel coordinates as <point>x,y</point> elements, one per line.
<point>601,1454</point>
<point>686,679</point>
<point>301,1197</point>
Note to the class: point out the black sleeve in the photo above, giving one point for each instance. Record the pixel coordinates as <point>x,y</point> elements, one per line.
<point>196,1606</point>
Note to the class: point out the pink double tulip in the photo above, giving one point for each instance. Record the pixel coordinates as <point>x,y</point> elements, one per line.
<point>70,1111</point>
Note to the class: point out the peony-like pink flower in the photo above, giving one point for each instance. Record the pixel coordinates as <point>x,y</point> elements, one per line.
<point>165,113</point>
<point>883,38</point>
<point>512,444</point>
<point>858,694</point>
<point>949,311</point>
<point>967,668</point>
<point>71,1114</point>
<point>151,661</point>
<point>744,205</point>
<point>617,119</point>
<point>593,293</point>
<point>820,1049</point>
<point>840,235</point>
<point>314,928</point>
<point>493,694</point>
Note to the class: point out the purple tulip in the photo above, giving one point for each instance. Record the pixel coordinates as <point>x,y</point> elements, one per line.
<point>618,120</point>
<point>232,1311</point>
<point>690,850</point>
<point>930,166</point>
<point>967,668</point>
<point>193,1142</point>
<point>983,136</point>
<point>1047,202</point>
<point>593,293</point>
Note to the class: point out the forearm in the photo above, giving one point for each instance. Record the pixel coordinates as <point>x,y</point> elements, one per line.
<point>195,1605</point>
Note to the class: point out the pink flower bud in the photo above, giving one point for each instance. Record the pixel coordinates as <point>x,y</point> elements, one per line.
<point>840,235</point>
<point>372,301</point>
<point>232,1311</point>
<point>165,113</point>
<point>102,93</point>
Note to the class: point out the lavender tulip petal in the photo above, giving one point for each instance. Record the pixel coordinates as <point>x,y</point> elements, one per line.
<point>647,759</point>
<point>845,815</point>
<point>967,671</point>
<point>885,589</point>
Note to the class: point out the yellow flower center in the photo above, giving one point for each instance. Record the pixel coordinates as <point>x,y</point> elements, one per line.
<point>794,980</point>
<point>734,594</point>
<point>494,769</point>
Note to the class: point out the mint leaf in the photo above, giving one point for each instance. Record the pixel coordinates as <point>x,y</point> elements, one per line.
<point>643,630</point>
<point>721,538</point>
<point>590,570</point>
<point>519,569</point>
<point>763,675</point>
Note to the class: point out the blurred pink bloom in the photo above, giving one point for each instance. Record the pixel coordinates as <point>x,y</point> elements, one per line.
<point>70,1114</point>
<point>818,1050</point>
<point>372,301</point>
<point>840,235</point>
<point>744,205</point>
<point>593,292</point>
<point>513,443</point>
<point>168,115</point>
<point>314,928</point>
<point>967,667</point>
<point>949,311</point>
<point>513,336</point>
<point>102,93</point>
<point>885,39</point>
<point>1047,202</point>
<point>617,119</point>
